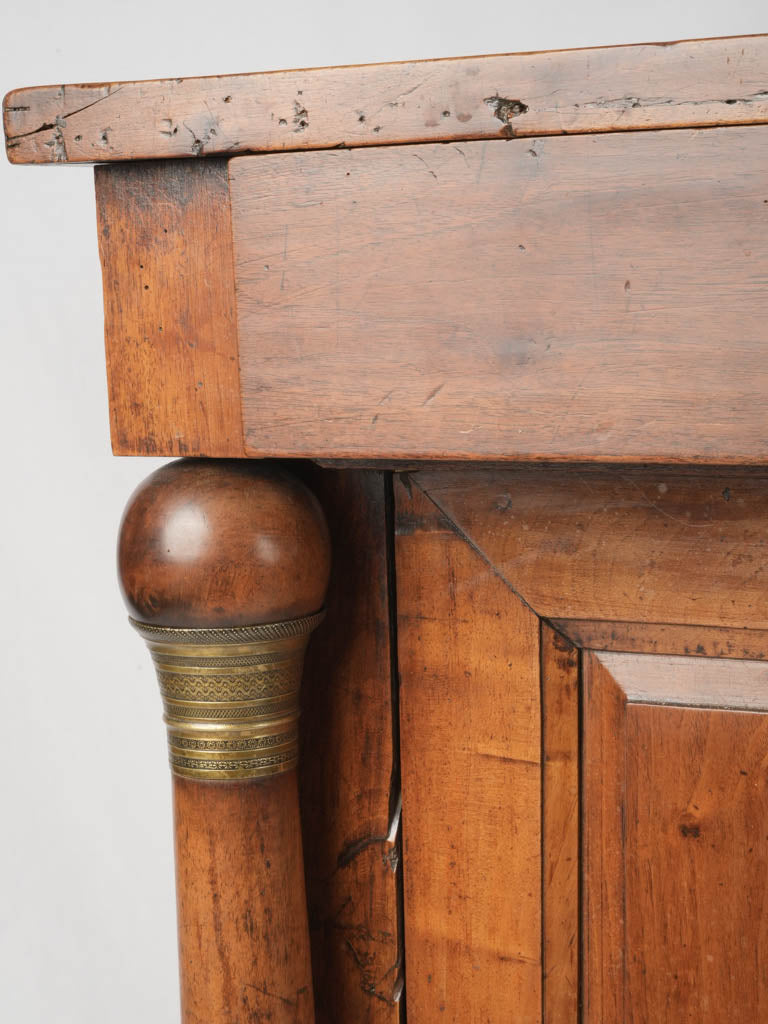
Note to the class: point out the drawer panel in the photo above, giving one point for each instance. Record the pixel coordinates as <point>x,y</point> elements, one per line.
<point>591,297</point>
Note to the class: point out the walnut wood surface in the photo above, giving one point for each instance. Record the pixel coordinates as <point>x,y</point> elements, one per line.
<point>672,793</point>
<point>169,309</point>
<point>663,638</point>
<point>222,544</point>
<point>620,88</point>
<point>228,543</point>
<point>592,298</point>
<point>560,827</point>
<point>348,769</point>
<point>648,545</point>
<point>471,753</point>
<point>243,943</point>
<point>675,801</point>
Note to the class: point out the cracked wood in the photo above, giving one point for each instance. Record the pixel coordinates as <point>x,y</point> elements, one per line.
<point>349,777</point>
<point>693,83</point>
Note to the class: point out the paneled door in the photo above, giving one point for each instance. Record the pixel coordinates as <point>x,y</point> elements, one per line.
<point>584,744</point>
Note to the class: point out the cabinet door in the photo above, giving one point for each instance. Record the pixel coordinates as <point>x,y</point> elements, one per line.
<point>584,744</point>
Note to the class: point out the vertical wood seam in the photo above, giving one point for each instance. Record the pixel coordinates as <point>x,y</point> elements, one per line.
<point>235,306</point>
<point>560,835</point>
<point>580,935</point>
<point>544,836</point>
<point>395,793</point>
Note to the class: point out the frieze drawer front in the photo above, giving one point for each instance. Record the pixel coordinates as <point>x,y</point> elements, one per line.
<point>601,296</point>
<point>596,297</point>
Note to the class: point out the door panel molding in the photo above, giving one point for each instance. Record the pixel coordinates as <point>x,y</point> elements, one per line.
<point>553,563</point>
<point>645,545</point>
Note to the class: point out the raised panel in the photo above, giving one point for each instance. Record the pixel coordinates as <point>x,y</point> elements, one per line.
<point>675,801</point>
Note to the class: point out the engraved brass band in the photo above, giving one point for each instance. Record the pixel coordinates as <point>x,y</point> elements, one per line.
<point>231,696</point>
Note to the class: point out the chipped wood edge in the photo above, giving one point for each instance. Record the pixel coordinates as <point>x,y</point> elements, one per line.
<point>690,83</point>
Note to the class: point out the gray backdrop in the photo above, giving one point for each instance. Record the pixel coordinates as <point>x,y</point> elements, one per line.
<point>87,928</point>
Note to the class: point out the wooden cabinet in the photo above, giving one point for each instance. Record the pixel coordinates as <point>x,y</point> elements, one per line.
<point>506,318</point>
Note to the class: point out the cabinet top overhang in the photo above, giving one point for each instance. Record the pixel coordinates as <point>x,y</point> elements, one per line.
<point>688,84</point>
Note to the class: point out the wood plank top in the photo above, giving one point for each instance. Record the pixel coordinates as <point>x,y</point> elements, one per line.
<point>693,83</point>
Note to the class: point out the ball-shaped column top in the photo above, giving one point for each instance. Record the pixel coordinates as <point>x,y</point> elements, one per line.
<point>222,543</point>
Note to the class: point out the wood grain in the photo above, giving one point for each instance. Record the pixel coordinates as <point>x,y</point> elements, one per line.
<point>648,545</point>
<point>595,298</point>
<point>218,544</point>
<point>560,827</point>
<point>620,88</point>
<point>662,638</point>
<point>222,543</point>
<point>690,682</point>
<point>169,309</point>
<point>243,943</point>
<point>676,921</point>
<point>470,756</point>
<point>348,771</point>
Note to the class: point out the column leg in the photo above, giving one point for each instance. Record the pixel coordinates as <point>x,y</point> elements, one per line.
<point>224,567</point>
<point>243,940</point>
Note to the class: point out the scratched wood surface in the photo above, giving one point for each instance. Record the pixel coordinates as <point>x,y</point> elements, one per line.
<point>665,638</point>
<point>169,309</point>
<point>593,298</point>
<point>647,545</point>
<point>471,753</point>
<point>675,800</point>
<point>243,944</point>
<point>348,774</point>
<point>659,85</point>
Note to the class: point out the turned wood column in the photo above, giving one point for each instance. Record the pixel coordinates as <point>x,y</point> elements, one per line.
<point>224,566</point>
